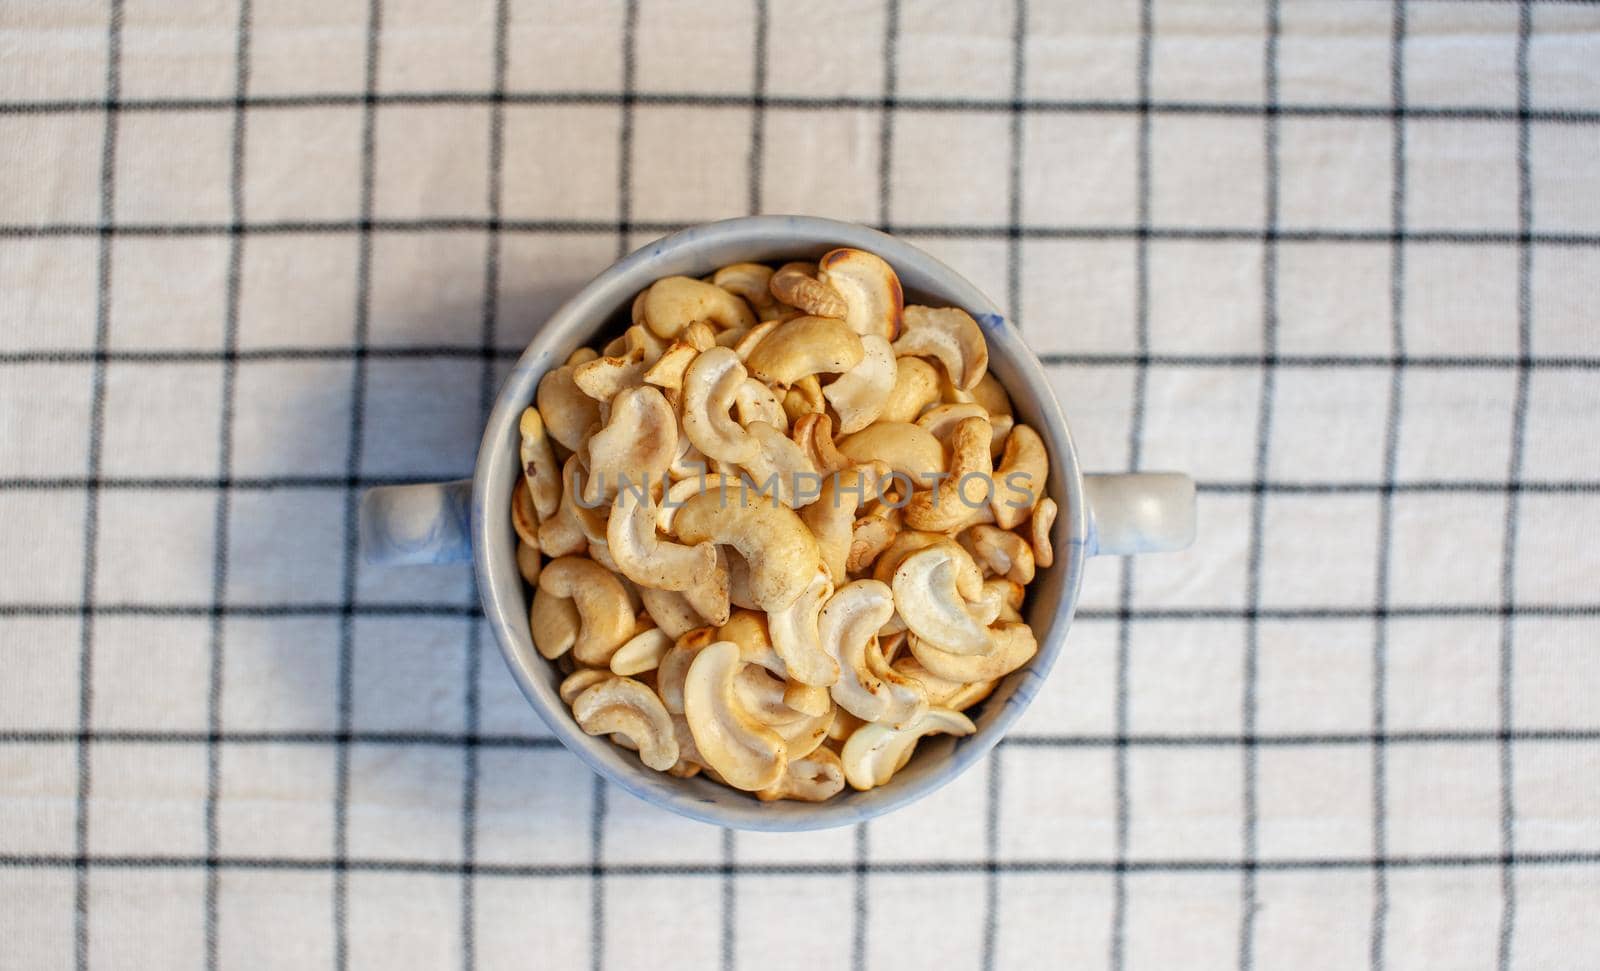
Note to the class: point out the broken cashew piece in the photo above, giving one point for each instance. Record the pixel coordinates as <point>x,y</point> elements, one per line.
<point>950,336</point>
<point>580,681</point>
<point>642,652</point>
<point>623,706</point>
<point>874,753</point>
<point>744,752</point>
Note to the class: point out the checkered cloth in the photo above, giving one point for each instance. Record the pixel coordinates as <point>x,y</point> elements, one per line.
<point>1340,261</point>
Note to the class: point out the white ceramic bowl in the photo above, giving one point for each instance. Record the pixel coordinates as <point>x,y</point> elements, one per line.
<point>1108,514</point>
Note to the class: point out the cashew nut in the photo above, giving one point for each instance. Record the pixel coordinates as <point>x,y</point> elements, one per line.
<point>554,623</point>
<point>967,492</point>
<point>780,468</point>
<point>847,627</point>
<point>670,611</point>
<point>679,492</point>
<point>869,537</point>
<point>1012,645</point>
<point>673,303</point>
<point>745,753</point>
<point>817,777</point>
<point>710,598</point>
<point>710,387</point>
<point>870,289</point>
<point>931,590</point>
<point>603,378</point>
<point>523,517</point>
<point>950,336</point>
<point>831,518</point>
<point>916,386</point>
<point>782,554</point>
<point>805,398</point>
<point>941,420</point>
<point>796,284</point>
<point>539,468</point>
<point>674,666</point>
<point>623,706</point>
<point>580,681</point>
<point>568,530</point>
<point>1002,552</point>
<point>605,617</point>
<point>909,450</point>
<point>755,401</point>
<point>762,696</point>
<point>749,282</point>
<point>567,411</point>
<point>640,653</point>
<point>667,372</point>
<point>859,395</point>
<point>645,558</point>
<point>699,336</point>
<point>1020,480</point>
<point>954,695</point>
<point>1040,523</point>
<point>874,753</point>
<point>805,346</point>
<point>795,636</point>
<point>814,434</point>
<point>528,563</point>
<point>749,339</point>
<point>635,448</point>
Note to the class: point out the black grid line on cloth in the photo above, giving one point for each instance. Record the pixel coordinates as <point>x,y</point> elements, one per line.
<point>358,392</point>
<point>1016,740</point>
<point>972,231</point>
<point>1519,426</point>
<point>1120,711</point>
<point>1258,502</point>
<point>824,103</point>
<point>221,527</point>
<point>91,512</point>
<point>921,868</point>
<point>1391,458</point>
<point>472,675</point>
<point>993,787</point>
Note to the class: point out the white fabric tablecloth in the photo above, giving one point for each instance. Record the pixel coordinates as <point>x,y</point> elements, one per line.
<point>1341,261</point>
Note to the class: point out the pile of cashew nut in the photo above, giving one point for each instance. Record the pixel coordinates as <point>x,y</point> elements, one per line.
<point>782,528</point>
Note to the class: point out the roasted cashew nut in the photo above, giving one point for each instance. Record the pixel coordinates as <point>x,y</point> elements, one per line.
<point>539,467</point>
<point>860,394</point>
<point>780,468</point>
<point>755,401</point>
<point>805,346</point>
<point>647,559</point>
<point>1002,552</point>
<point>670,611</point>
<point>623,706</point>
<point>1020,480</point>
<point>814,434</point>
<point>554,624</point>
<point>604,378</point>
<point>781,553</point>
<point>710,389</point>
<point>605,616</point>
<point>636,446</point>
<point>762,696</point>
<point>870,288</point>
<point>1011,645</point>
<point>745,753</point>
<point>931,589</point>
<point>816,777</point>
<point>749,282</point>
<point>848,625</point>
<point>954,695</point>
<point>1040,524</point>
<point>966,494</point>
<point>805,398</point>
<point>831,518</point>
<point>909,450</point>
<point>916,386</point>
<point>874,753</point>
<point>796,285</point>
<point>673,303</point>
<point>673,667</point>
<point>642,652</point>
<point>567,412</point>
<point>950,336</point>
<point>795,636</point>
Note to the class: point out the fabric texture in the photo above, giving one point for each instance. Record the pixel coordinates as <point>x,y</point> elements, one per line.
<point>1339,261</point>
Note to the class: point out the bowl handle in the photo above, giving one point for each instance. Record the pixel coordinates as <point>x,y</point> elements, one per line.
<point>1139,512</point>
<point>426,523</point>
